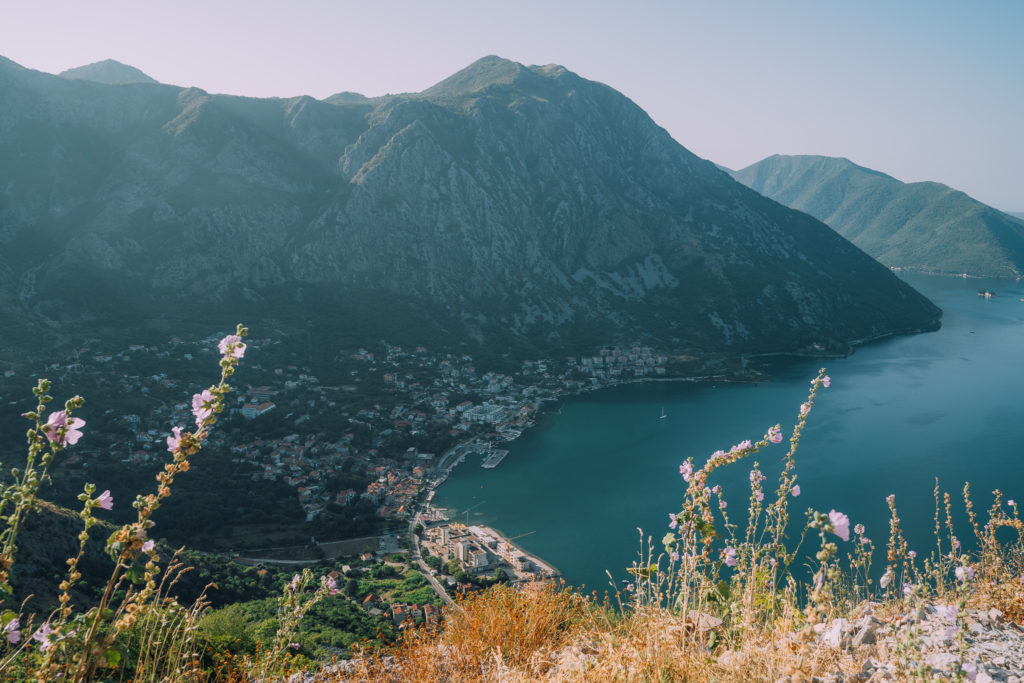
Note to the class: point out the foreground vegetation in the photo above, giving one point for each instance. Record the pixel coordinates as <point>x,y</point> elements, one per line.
<point>720,597</point>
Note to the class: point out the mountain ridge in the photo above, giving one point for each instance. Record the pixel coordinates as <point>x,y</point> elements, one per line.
<point>109,71</point>
<point>923,226</point>
<point>554,216</point>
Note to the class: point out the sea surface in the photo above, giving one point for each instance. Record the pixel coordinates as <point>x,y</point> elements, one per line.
<point>900,412</point>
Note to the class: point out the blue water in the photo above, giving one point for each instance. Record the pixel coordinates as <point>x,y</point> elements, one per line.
<point>900,413</point>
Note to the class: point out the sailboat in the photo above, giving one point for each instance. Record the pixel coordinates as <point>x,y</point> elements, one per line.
<point>663,415</point>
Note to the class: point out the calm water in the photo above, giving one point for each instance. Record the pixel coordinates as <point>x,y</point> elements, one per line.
<point>901,412</point>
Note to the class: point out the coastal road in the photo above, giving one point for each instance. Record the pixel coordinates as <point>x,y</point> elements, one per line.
<point>424,569</point>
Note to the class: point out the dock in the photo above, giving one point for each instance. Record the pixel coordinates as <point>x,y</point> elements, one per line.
<point>492,460</point>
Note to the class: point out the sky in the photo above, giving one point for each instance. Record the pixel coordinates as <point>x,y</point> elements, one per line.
<point>921,90</point>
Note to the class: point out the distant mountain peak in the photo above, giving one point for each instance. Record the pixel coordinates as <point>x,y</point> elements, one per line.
<point>484,72</point>
<point>108,71</point>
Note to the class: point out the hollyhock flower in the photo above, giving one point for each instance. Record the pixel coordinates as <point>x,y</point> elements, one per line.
<point>675,556</point>
<point>840,524</point>
<point>759,495</point>
<point>908,589</point>
<point>886,578</point>
<point>756,477</point>
<point>771,561</point>
<point>330,584</point>
<point>804,409</point>
<point>859,529</point>
<point>716,489</point>
<point>686,469</point>
<point>231,346</point>
<point>865,540</point>
<point>202,406</point>
<point>741,446</point>
<point>42,635</point>
<point>295,581</point>
<point>148,546</point>
<point>673,522</point>
<point>775,434</point>
<point>174,441</point>
<point>105,500</point>
<point>796,490</point>
<point>11,631</point>
<point>964,573</point>
<point>722,505</point>
<point>58,420</point>
<point>730,556</point>
<point>912,554</point>
<point>716,455</point>
<point>295,646</point>
<point>826,381</point>
<point>1011,503</point>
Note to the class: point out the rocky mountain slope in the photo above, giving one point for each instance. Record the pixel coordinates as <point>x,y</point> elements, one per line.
<point>523,208</point>
<point>918,226</point>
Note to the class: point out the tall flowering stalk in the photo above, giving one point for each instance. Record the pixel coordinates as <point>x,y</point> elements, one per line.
<point>73,646</point>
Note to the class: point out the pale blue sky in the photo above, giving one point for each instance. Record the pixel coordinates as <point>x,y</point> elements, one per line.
<point>929,90</point>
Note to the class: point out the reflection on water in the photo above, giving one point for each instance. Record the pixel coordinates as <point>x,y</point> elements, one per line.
<point>900,413</point>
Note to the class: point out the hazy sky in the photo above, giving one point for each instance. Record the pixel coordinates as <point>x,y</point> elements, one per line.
<point>929,90</point>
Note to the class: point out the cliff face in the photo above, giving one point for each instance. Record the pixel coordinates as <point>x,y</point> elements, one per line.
<point>519,207</point>
<point>919,226</point>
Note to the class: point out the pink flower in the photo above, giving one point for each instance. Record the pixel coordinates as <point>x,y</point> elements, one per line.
<point>804,409</point>
<point>673,522</point>
<point>106,501</point>
<point>730,556</point>
<point>202,406</point>
<point>741,446</point>
<point>756,477</point>
<point>886,578</point>
<point>722,505</point>
<point>42,635</point>
<point>760,496</point>
<point>716,455</point>
<point>295,646</point>
<point>295,581</point>
<point>174,441</point>
<point>11,631</point>
<point>231,346</point>
<point>859,529</point>
<point>912,554</point>
<point>686,469</point>
<point>964,573</point>
<point>330,584</point>
<point>1011,503</point>
<point>148,546</point>
<point>58,422</point>
<point>675,555</point>
<point>716,489</point>
<point>775,434</point>
<point>826,381</point>
<point>840,524</point>
<point>796,490</point>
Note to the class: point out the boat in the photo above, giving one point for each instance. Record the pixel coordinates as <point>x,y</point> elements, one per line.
<point>663,415</point>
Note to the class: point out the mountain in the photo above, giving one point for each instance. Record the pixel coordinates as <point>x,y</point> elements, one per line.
<point>1016,214</point>
<point>108,71</point>
<point>519,209</point>
<point>925,227</point>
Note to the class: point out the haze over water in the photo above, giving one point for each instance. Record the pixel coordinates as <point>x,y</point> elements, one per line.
<point>900,412</point>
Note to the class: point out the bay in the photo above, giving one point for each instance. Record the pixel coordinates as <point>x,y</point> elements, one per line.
<point>900,412</point>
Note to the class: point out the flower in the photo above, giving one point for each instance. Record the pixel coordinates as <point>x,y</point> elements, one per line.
<point>42,635</point>
<point>716,455</point>
<point>295,582</point>
<point>912,554</point>
<point>1012,503</point>
<point>759,495</point>
<point>11,631</point>
<point>796,490</point>
<point>730,556</point>
<point>775,434</point>
<point>330,584</point>
<point>675,555</point>
<point>105,500</point>
<point>148,546</point>
<point>58,429</point>
<point>826,381</point>
<point>805,408</point>
<point>964,573</point>
<point>886,578</point>
<point>908,589</point>
<point>202,406</point>
<point>174,441</point>
<point>859,529</point>
<point>722,505</point>
<point>673,522</point>
<point>686,469</point>
<point>840,524</point>
<point>295,646</point>
<point>756,477</point>
<point>231,346</point>
<point>716,489</point>
<point>741,446</point>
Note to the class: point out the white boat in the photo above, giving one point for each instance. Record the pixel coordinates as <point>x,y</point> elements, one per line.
<point>663,415</point>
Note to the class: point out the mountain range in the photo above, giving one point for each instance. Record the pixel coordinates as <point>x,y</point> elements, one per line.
<point>517,208</point>
<point>925,226</point>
